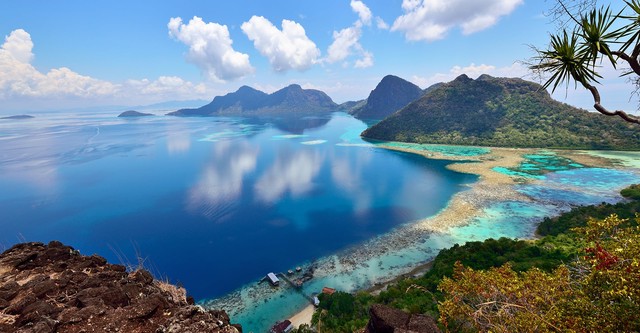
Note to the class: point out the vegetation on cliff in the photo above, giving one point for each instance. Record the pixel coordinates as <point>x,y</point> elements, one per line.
<point>502,112</point>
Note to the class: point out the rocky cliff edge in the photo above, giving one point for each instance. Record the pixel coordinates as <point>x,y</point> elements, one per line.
<point>53,288</point>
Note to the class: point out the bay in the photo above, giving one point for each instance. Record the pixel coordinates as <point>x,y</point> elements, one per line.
<point>209,203</point>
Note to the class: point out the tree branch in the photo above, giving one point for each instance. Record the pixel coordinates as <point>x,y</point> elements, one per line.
<point>596,98</point>
<point>632,61</point>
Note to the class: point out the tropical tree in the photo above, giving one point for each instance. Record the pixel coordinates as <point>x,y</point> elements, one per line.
<point>600,292</point>
<point>588,36</point>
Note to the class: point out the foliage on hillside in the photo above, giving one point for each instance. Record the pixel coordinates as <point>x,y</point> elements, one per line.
<point>529,263</point>
<point>599,292</point>
<point>501,112</point>
<point>343,312</point>
<point>578,217</point>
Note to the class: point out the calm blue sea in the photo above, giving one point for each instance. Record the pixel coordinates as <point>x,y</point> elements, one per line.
<point>211,203</point>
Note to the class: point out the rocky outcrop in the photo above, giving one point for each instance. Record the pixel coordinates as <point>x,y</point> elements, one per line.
<point>384,319</point>
<point>53,288</point>
<point>19,116</point>
<point>133,114</point>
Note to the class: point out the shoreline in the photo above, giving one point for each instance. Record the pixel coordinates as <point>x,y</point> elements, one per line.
<point>467,205</point>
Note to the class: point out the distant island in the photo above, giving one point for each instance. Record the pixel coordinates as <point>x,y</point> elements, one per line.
<point>19,116</point>
<point>390,95</point>
<point>133,114</point>
<point>501,112</point>
<point>252,102</point>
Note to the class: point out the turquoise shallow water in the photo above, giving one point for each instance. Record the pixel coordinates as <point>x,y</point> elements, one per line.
<point>535,166</point>
<point>557,185</point>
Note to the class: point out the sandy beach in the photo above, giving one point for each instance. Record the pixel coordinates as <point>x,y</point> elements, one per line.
<point>303,317</point>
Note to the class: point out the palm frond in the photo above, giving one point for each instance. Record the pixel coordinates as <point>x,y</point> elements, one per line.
<point>595,32</point>
<point>631,31</point>
<point>566,60</point>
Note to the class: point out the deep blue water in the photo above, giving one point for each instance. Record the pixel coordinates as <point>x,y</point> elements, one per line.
<point>211,203</point>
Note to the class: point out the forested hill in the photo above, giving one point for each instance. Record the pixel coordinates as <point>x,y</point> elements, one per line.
<point>502,112</point>
<point>249,101</point>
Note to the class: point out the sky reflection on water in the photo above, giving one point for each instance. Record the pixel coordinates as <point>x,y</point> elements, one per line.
<point>193,196</point>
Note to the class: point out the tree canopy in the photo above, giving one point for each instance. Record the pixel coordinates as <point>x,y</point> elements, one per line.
<point>588,36</point>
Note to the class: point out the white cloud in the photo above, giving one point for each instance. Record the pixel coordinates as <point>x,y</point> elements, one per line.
<point>364,13</point>
<point>365,61</point>
<point>24,87</point>
<point>346,42</point>
<point>171,87</point>
<point>19,45</point>
<point>473,71</point>
<point>381,24</point>
<point>286,49</point>
<point>431,20</point>
<point>210,48</point>
<point>19,78</point>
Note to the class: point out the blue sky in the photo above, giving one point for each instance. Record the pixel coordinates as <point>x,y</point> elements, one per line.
<point>67,53</point>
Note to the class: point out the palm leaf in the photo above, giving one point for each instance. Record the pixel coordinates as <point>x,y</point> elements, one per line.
<point>566,60</point>
<point>596,34</point>
<point>632,30</point>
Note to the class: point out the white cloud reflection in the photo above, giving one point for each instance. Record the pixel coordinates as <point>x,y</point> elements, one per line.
<point>349,178</point>
<point>289,174</point>
<point>221,181</point>
<point>178,139</point>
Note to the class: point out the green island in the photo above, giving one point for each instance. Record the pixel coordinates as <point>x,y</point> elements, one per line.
<point>502,112</point>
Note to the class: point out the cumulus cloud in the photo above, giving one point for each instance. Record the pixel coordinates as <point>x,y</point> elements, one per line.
<point>23,86</point>
<point>210,48</point>
<point>473,71</point>
<point>286,49</point>
<point>364,13</point>
<point>19,78</point>
<point>431,20</point>
<point>19,45</point>
<point>346,42</point>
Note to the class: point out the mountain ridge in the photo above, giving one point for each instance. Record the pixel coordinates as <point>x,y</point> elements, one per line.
<point>250,101</point>
<point>391,94</point>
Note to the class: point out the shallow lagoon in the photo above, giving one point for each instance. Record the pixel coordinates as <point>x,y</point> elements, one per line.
<point>215,203</point>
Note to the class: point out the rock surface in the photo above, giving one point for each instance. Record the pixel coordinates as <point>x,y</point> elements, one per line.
<point>384,319</point>
<point>52,288</point>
